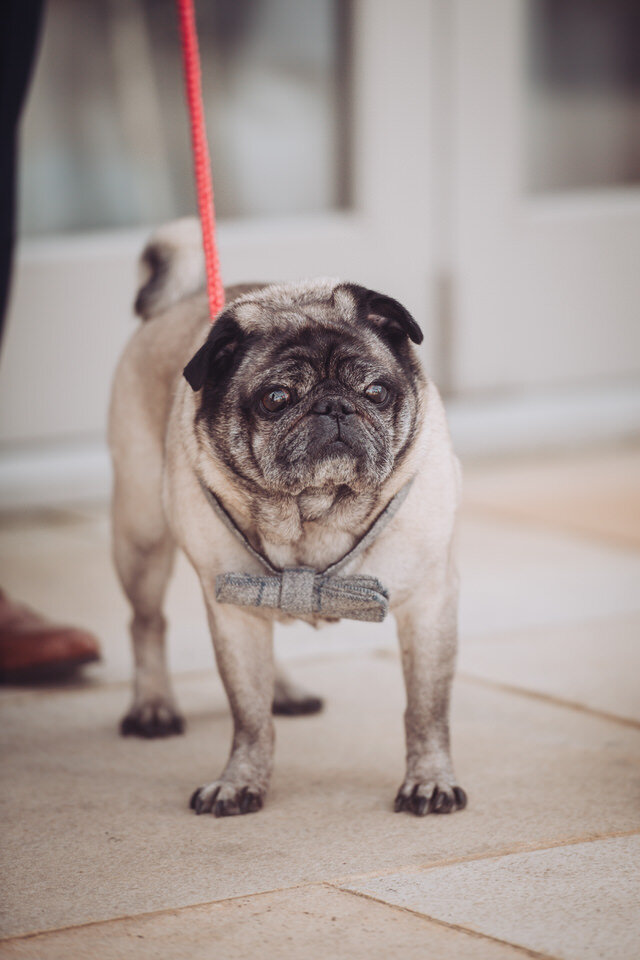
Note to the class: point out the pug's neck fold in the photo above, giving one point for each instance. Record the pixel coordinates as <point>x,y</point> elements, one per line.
<point>361,544</point>
<point>318,539</point>
<point>313,528</point>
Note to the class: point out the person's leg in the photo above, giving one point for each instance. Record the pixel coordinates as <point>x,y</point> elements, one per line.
<point>19,30</point>
<point>31,647</point>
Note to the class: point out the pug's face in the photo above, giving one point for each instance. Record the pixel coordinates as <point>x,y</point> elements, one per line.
<point>308,387</point>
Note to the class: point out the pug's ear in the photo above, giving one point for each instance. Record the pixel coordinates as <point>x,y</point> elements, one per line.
<point>216,354</point>
<point>386,315</point>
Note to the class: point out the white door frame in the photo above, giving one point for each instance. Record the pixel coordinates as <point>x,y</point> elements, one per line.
<point>547,287</point>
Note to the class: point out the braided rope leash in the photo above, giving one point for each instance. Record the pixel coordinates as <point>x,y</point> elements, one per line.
<point>295,590</point>
<point>200,149</point>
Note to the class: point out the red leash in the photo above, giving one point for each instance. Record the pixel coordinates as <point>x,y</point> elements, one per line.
<point>201,162</point>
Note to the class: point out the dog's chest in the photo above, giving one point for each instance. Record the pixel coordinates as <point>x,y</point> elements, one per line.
<point>318,547</point>
<point>316,530</point>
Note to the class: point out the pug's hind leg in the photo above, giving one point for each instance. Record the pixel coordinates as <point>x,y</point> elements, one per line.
<point>244,653</point>
<point>144,572</point>
<point>292,700</point>
<point>427,631</point>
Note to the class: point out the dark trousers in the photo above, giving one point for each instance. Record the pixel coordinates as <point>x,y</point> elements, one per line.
<point>19,28</point>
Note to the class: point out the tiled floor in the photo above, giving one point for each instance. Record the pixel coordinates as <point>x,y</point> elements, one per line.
<point>102,858</point>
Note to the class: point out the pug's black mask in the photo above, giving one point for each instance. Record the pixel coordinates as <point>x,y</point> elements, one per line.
<point>309,386</point>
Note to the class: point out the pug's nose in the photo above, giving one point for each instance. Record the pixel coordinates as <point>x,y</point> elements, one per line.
<point>333,407</point>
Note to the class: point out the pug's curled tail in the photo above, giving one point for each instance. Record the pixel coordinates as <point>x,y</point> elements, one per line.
<point>171,267</point>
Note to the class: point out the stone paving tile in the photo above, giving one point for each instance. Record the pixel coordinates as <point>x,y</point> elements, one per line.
<point>595,664</point>
<point>97,827</point>
<point>513,578</point>
<point>593,493</point>
<point>311,921</point>
<point>577,902</point>
<point>66,571</point>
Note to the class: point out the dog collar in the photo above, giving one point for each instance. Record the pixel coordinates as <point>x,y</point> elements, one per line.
<point>303,591</point>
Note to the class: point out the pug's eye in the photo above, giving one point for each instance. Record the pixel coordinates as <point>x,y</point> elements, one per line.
<point>376,393</point>
<point>276,399</point>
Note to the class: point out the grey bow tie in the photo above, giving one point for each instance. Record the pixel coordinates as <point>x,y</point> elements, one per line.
<point>301,591</point>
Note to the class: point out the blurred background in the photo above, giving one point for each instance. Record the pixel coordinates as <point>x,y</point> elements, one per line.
<point>481,162</point>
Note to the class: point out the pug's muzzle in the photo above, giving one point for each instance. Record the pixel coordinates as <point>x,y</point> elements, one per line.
<point>331,441</point>
<point>334,427</point>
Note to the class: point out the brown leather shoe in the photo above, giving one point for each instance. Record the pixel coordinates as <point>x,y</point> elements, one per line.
<point>32,649</point>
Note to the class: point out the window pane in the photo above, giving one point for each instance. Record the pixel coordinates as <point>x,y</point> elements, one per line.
<point>105,141</point>
<point>583,117</point>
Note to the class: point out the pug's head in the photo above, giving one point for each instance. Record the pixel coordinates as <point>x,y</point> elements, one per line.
<point>309,386</point>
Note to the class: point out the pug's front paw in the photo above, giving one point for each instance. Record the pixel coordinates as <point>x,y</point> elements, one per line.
<point>227,799</point>
<point>156,718</point>
<point>430,797</point>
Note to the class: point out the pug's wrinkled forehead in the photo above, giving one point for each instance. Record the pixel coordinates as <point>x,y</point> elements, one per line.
<point>292,307</point>
<point>293,303</point>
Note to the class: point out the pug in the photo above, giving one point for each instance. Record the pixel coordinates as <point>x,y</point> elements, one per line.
<point>297,453</point>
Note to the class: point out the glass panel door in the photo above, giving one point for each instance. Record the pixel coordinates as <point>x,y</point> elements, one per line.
<point>547,211</point>
<point>318,120</point>
<point>582,94</point>
<point>105,141</point>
